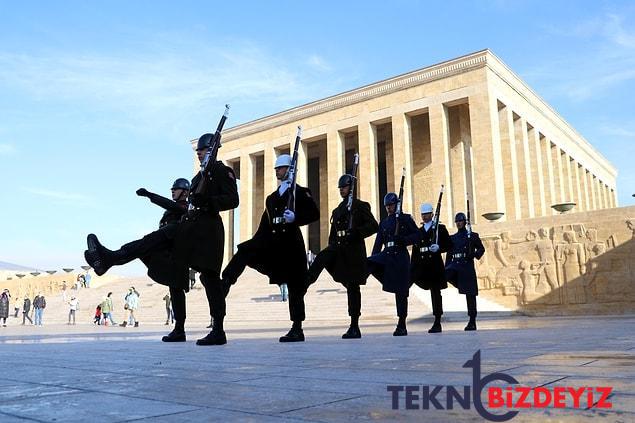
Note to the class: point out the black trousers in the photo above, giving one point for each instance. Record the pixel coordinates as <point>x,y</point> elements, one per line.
<point>214,293</point>
<point>354,296</point>
<point>152,242</point>
<point>401,301</point>
<point>178,307</point>
<point>437,302</point>
<point>25,316</point>
<point>236,267</point>
<point>353,293</point>
<point>471,305</point>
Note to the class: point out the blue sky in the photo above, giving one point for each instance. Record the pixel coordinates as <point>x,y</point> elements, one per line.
<point>98,99</point>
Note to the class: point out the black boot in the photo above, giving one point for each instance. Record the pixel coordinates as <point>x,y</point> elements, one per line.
<point>353,332</point>
<point>401,328</point>
<point>98,256</point>
<point>216,336</point>
<point>296,334</point>
<point>436,326</point>
<point>175,336</point>
<point>471,325</point>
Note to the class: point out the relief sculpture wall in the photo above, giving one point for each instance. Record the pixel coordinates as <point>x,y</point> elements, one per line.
<point>574,263</point>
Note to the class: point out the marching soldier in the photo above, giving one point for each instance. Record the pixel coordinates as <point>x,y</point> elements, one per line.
<point>345,256</point>
<point>459,265</point>
<point>426,268</point>
<point>277,248</point>
<point>391,266</point>
<point>196,242</point>
<point>175,209</point>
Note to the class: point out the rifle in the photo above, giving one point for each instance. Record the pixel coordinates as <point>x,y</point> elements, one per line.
<point>468,227</point>
<point>398,209</point>
<point>437,217</point>
<point>210,157</point>
<point>292,172</point>
<point>351,192</point>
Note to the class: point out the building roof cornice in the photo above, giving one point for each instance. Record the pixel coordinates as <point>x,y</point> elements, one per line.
<point>377,89</point>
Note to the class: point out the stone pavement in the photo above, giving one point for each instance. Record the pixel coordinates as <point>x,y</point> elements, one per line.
<point>87,373</point>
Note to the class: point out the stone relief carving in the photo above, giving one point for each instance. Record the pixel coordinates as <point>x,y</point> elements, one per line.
<point>565,264</point>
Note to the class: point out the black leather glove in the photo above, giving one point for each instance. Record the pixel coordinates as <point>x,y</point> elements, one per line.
<point>142,192</point>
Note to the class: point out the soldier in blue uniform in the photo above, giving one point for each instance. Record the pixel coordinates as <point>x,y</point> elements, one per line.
<point>345,256</point>
<point>426,268</point>
<point>459,265</point>
<point>391,266</point>
<point>277,248</point>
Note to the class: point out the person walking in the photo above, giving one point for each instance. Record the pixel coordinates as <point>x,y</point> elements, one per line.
<point>4,307</point>
<point>73,307</point>
<point>39,304</point>
<point>26,308</point>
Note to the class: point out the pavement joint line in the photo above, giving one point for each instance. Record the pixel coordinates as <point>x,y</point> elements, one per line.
<point>21,417</point>
<point>592,361</point>
<point>323,404</point>
<point>553,381</point>
<point>595,403</point>
<point>160,415</point>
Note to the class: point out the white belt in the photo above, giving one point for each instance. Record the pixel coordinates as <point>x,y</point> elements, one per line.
<point>459,255</point>
<point>341,233</point>
<point>390,244</point>
<point>424,249</point>
<point>278,220</point>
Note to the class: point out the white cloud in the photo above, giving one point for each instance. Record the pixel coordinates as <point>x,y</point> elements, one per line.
<point>606,60</point>
<point>166,82</point>
<point>319,63</point>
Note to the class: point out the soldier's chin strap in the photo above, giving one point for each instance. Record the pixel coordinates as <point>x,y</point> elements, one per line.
<point>181,196</point>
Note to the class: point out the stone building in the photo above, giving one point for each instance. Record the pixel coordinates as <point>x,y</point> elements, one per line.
<point>469,123</point>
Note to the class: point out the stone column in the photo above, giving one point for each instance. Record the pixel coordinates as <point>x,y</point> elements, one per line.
<point>560,173</point>
<point>527,169</point>
<point>486,147</point>
<point>541,203</point>
<point>246,196</point>
<point>441,159</point>
<point>585,186</point>
<point>335,164</point>
<point>510,163</point>
<point>402,158</point>
<point>569,175</point>
<point>578,186</point>
<point>368,185</point>
<point>546,148</point>
<point>594,196</point>
<point>270,182</point>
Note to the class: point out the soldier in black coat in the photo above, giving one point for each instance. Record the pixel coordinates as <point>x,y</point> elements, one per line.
<point>159,263</point>
<point>459,265</point>
<point>195,242</point>
<point>345,256</point>
<point>277,248</point>
<point>391,266</point>
<point>426,267</point>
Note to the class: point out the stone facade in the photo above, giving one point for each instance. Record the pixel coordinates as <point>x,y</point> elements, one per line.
<point>565,264</point>
<point>469,123</point>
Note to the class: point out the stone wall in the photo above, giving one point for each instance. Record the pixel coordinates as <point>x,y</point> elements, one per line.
<point>577,263</point>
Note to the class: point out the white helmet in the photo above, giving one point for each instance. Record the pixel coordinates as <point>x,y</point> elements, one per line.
<point>282,160</point>
<point>426,208</point>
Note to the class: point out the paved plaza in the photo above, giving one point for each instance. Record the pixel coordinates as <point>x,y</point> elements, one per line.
<point>91,373</point>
